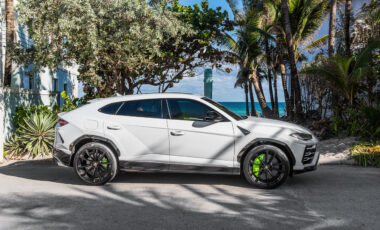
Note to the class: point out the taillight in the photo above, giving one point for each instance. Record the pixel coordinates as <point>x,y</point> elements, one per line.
<point>62,122</point>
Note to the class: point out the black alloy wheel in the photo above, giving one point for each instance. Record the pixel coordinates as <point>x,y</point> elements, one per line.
<point>266,166</point>
<point>95,164</point>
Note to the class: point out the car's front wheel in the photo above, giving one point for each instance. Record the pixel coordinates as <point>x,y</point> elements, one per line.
<point>95,163</point>
<point>266,166</point>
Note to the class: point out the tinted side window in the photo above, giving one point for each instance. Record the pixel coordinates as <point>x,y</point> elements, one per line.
<point>141,108</point>
<point>182,109</point>
<point>110,108</point>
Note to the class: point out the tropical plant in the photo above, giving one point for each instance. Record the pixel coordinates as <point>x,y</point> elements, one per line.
<point>246,48</point>
<point>24,112</point>
<point>346,74</point>
<point>36,135</point>
<point>366,154</point>
<point>14,146</point>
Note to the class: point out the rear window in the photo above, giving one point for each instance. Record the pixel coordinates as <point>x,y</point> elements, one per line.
<point>141,108</point>
<point>111,108</point>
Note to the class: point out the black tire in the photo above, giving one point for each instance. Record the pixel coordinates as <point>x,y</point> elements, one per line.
<point>96,164</point>
<point>266,166</point>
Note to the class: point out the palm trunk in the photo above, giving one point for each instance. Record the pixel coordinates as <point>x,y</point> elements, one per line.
<point>289,107</point>
<point>246,99</point>
<point>275,108</point>
<point>331,48</point>
<point>253,109</point>
<point>268,58</point>
<point>347,18</point>
<point>267,112</point>
<point>9,37</point>
<point>295,97</point>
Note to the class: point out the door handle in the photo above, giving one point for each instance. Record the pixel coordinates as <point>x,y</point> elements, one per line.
<point>177,133</point>
<point>113,127</point>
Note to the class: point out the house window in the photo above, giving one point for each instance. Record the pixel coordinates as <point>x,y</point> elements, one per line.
<point>55,85</point>
<point>31,80</point>
<point>65,87</point>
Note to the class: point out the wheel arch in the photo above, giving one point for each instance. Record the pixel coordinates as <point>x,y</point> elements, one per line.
<point>91,138</point>
<point>266,141</point>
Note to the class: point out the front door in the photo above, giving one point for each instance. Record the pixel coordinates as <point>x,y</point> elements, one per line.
<point>196,142</point>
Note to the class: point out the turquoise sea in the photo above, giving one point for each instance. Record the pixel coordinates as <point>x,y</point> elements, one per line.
<point>239,107</point>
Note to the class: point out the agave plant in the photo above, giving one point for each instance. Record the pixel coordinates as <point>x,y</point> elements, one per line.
<point>37,133</point>
<point>14,146</point>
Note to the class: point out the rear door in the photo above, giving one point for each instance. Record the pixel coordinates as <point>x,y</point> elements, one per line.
<point>141,132</point>
<point>196,142</point>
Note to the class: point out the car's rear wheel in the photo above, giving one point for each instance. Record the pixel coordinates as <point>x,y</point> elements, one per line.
<point>95,163</point>
<point>266,166</point>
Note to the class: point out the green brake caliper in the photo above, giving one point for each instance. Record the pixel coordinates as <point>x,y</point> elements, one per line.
<point>105,163</point>
<point>256,164</point>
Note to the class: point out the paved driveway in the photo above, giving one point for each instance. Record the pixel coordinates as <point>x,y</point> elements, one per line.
<point>40,195</point>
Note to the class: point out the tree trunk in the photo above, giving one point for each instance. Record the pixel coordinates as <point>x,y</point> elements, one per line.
<point>253,109</point>
<point>275,108</point>
<point>246,99</point>
<point>295,97</point>
<point>331,48</point>
<point>288,104</point>
<point>9,37</point>
<point>267,112</point>
<point>269,68</point>
<point>347,17</point>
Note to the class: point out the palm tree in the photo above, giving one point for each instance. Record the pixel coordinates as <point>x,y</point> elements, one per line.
<point>9,37</point>
<point>296,23</point>
<point>331,46</point>
<point>345,74</point>
<point>347,17</point>
<point>246,49</point>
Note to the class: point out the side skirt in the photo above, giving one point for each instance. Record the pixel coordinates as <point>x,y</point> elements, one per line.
<point>178,168</point>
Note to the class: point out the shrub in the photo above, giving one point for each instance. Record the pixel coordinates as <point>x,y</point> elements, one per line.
<point>24,112</point>
<point>366,154</point>
<point>14,146</point>
<point>363,122</point>
<point>37,133</point>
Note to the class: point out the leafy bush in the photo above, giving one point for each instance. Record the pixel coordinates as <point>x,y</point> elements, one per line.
<point>23,112</point>
<point>37,135</point>
<point>14,146</point>
<point>363,122</point>
<point>34,136</point>
<point>366,154</point>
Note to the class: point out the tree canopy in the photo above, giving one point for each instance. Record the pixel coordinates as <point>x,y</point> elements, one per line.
<point>120,45</point>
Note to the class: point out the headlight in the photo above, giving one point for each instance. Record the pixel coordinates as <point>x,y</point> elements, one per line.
<point>302,136</point>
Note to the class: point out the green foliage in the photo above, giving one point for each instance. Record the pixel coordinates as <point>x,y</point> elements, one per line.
<point>70,103</point>
<point>24,112</point>
<point>35,127</point>
<point>366,154</point>
<point>14,146</point>
<point>35,136</point>
<point>363,122</point>
<point>114,42</point>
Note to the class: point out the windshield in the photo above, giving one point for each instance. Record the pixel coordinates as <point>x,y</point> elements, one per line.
<point>224,109</point>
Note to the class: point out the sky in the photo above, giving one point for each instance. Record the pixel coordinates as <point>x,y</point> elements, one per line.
<point>223,83</point>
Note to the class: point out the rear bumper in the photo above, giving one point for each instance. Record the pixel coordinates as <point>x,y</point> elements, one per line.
<point>62,158</point>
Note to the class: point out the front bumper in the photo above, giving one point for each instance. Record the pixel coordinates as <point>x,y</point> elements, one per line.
<point>62,158</point>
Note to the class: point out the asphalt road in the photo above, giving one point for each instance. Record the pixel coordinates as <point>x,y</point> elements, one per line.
<point>40,195</point>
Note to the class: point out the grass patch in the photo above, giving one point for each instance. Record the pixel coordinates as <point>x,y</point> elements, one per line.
<point>366,154</point>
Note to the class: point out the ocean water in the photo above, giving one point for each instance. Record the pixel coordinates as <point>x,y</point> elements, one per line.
<point>239,107</point>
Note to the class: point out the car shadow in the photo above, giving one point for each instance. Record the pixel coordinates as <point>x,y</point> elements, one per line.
<point>46,170</point>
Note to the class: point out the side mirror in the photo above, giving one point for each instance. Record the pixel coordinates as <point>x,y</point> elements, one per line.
<point>213,116</point>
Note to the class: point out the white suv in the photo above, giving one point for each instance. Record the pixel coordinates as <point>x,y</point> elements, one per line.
<point>179,133</point>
